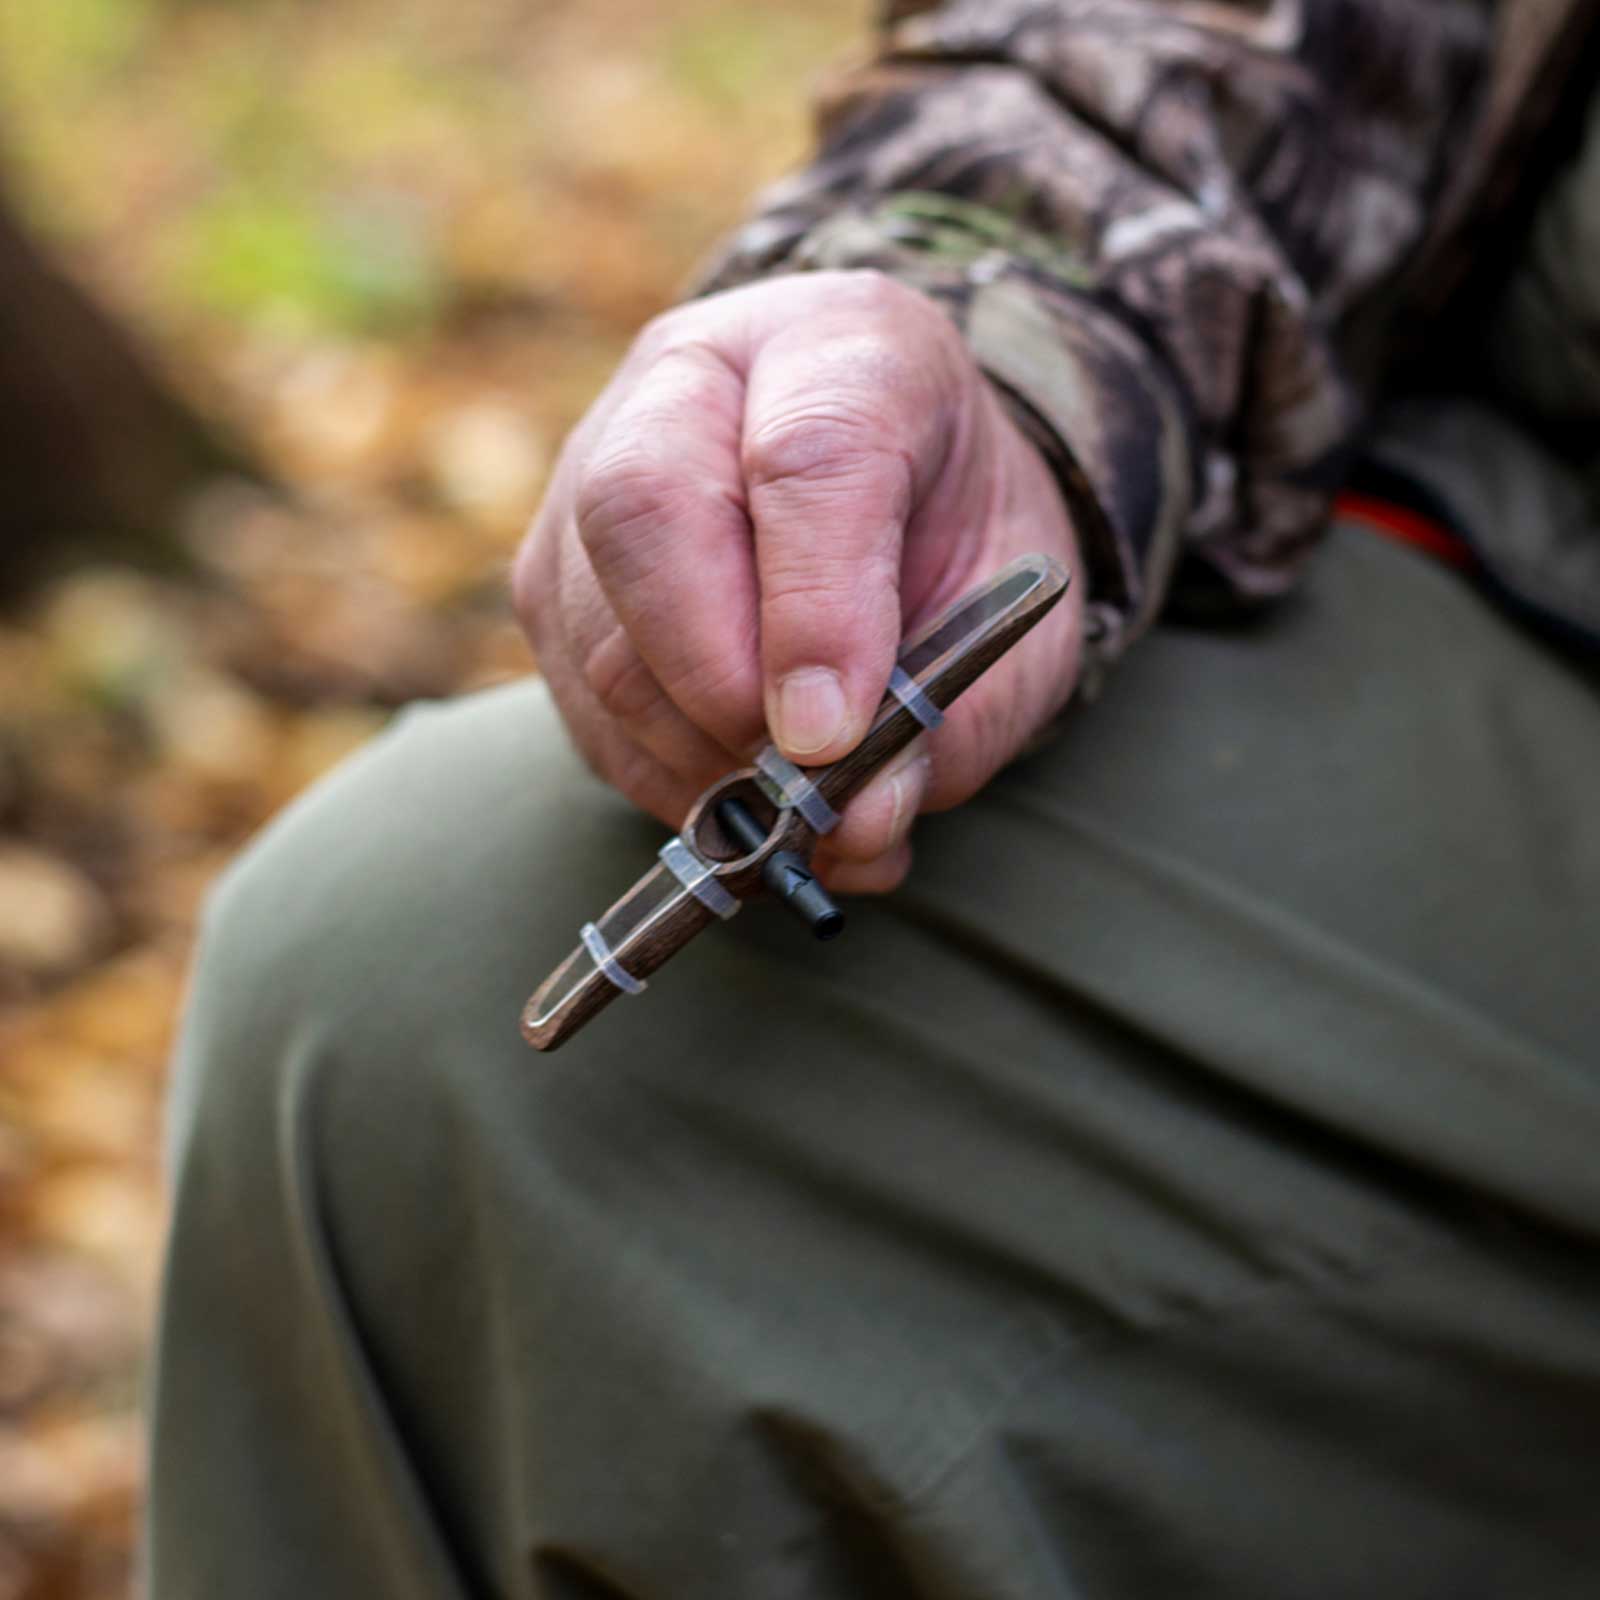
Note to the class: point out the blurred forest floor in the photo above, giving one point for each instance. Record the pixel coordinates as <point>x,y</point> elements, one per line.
<point>391,247</point>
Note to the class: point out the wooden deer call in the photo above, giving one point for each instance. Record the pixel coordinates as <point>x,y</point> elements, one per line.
<point>754,831</point>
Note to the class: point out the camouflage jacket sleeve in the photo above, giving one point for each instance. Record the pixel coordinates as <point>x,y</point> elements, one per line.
<point>1160,224</point>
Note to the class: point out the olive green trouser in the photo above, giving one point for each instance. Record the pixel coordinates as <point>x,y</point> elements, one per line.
<point>1188,1184</point>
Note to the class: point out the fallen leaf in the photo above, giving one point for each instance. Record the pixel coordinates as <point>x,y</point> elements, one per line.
<point>53,919</point>
<point>488,459</point>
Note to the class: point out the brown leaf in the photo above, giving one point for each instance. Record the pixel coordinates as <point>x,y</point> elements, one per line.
<point>53,919</point>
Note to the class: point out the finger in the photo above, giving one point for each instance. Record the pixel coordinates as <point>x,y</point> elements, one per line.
<point>605,742</point>
<point>888,872</point>
<point>616,759</point>
<point>843,431</point>
<point>994,721</point>
<point>626,690</point>
<point>878,818</point>
<point>661,514</point>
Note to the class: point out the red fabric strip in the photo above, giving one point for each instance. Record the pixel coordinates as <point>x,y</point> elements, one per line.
<point>1407,526</point>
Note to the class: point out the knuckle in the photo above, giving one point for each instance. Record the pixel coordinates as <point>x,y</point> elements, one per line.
<point>660,334</point>
<point>798,446</point>
<point>840,444</point>
<point>631,506</point>
<point>892,376</point>
<point>617,495</point>
<point>874,290</point>
<point>619,679</point>
<point>886,299</point>
<point>696,332</point>
<point>882,370</point>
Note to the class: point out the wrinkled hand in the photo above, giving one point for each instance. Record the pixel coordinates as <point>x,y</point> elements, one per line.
<point>778,483</point>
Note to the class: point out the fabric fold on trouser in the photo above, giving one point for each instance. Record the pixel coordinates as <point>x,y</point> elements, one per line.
<point>1185,1184</point>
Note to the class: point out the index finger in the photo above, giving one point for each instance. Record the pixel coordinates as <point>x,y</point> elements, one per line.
<point>661,513</point>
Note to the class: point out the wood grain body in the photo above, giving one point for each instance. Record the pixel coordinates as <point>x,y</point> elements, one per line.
<point>657,917</point>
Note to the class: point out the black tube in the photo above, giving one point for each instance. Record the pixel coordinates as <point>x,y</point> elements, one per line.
<point>784,873</point>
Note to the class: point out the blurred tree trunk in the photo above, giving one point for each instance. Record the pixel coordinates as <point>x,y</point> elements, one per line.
<point>95,450</point>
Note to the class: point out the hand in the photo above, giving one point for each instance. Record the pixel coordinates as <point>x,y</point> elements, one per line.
<point>777,485</point>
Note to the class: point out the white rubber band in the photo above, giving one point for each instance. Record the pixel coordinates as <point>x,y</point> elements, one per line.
<point>695,874</point>
<point>594,942</point>
<point>791,787</point>
<point>909,693</point>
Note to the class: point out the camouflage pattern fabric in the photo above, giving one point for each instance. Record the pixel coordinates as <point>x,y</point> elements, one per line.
<point>1515,464</point>
<point>1167,228</point>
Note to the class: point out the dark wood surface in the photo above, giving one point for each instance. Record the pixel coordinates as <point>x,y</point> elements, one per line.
<point>559,1009</point>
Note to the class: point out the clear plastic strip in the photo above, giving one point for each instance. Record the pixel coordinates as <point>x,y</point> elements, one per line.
<point>594,942</point>
<point>909,693</point>
<point>793,788</point>
<point>695,875</point>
